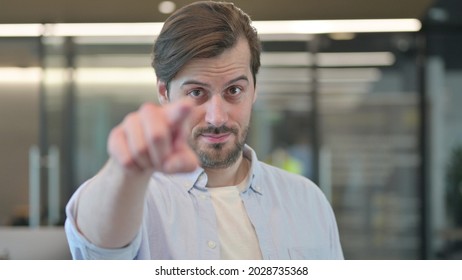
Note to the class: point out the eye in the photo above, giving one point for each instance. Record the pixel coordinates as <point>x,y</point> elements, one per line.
<point>234,91</point>
<point>196,93</point>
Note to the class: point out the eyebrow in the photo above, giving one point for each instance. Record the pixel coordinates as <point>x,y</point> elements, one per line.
<point>202,84</point>
<point>240,78</point>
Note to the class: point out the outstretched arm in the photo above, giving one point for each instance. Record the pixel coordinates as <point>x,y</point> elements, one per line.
<point>110,208</point>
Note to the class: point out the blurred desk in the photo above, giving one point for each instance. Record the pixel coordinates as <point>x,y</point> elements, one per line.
<point>43,243</point>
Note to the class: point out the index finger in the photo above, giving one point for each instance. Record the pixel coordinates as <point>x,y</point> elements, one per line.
<point>177,112</point>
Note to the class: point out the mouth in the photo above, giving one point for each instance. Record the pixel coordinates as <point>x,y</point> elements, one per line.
<point>215,135</point>
<point>214,138</point>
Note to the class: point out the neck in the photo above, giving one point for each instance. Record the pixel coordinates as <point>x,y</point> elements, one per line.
<point>230,176</point>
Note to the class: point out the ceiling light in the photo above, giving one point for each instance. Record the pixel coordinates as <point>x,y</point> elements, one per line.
<point>345,59</point>
<point>356,59</point>
<point>166,7</point>
<point>110,40</point>
<point>20,75</point>
<point>140,75</point>
<point>263,27</point>
<point>103,29</point>
<point>337,26</point>
<point>286,37</point>
<point>20,30</point>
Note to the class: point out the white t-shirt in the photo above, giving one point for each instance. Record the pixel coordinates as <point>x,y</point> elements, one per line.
<point>238,239</point>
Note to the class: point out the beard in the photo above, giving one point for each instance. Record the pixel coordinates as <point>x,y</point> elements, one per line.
<point>218,155</point>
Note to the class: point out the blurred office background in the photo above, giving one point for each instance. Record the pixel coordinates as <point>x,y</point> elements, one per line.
<point>373,117</point>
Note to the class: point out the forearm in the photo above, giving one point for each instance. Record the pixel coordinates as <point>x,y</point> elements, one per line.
<point>110,208</point>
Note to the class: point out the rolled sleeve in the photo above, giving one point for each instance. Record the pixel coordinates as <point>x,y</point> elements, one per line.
<point>82,249</point>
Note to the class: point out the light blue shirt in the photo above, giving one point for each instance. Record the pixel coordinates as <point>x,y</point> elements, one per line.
<point>291,217</point>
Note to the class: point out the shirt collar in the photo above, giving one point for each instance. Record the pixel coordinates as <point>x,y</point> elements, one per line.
<point>253,183</point>
<point>198,178</point>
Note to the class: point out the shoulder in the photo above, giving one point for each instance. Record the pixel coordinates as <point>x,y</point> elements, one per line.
<point>270,171</point>
<point>294,193</point>
<point>274,177</point>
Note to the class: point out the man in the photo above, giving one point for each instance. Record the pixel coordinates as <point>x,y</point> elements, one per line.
<point>180,183</point>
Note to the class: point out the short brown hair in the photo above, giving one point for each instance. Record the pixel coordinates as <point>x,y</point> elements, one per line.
<point>203,29</point>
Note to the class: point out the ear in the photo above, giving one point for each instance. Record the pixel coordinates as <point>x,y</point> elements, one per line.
<point>162,92</point>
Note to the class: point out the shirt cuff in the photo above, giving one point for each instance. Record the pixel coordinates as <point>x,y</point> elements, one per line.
<point>82,249</point>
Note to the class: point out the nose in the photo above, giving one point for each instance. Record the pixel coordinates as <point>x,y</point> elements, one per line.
<point>216,111</point>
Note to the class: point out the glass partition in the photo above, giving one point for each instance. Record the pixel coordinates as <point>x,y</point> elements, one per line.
<point>370,124</point>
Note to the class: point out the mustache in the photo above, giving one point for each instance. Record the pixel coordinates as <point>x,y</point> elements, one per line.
<point>211,129</point>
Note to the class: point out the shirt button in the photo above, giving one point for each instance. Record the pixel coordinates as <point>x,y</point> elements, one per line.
<point>212,244</point>
<point>203,196</point>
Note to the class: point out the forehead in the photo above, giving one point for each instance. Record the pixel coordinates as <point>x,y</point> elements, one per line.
<point>233,61</point>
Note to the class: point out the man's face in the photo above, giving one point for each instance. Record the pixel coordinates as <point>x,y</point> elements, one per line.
<point>222,89</point>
